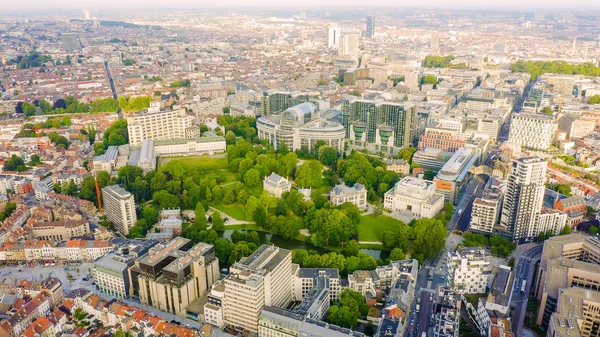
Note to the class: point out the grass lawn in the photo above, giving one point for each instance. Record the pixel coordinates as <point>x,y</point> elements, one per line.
<point>211,167</point>
<point>235,211</point>
<point>371,227</point>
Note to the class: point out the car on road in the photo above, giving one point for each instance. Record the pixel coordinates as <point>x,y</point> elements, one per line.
<point>85,279</point>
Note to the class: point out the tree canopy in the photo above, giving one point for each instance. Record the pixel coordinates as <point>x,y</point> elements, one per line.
<point>433,61</point>
<point>134,104</point>
<point>537,68</point>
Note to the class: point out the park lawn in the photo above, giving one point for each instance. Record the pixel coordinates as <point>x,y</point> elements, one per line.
<point>211,167</point>
<point>235,211</point>
<point>371,227</point>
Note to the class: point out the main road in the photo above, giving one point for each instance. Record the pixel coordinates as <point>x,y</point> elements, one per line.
<point>112,86</point>
<point>523,272</point>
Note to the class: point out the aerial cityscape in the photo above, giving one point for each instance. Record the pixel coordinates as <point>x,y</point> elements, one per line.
<point>299,170</point>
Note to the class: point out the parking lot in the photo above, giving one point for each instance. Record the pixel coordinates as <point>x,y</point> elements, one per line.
<point>71,278</point>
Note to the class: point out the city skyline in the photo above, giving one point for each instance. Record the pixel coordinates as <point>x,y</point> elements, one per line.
<point>310,4</point>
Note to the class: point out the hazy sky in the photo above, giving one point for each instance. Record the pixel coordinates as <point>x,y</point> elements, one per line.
<point>571,5</point>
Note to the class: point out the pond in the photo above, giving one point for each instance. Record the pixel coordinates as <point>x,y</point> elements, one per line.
<point>270,238</point>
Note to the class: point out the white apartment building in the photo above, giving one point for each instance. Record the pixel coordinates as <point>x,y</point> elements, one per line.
<point>156,124</point>
<point>468,270</point>
<point>415,197</point>
<point>356,194</point>
<point>119,208</point>
<point>532,131</point>
<point>549,220</point>
<point>276,185</point>
<point>484,214</point>
<point>486,210</point>
<point>524,198</point>
<point>261,279</point>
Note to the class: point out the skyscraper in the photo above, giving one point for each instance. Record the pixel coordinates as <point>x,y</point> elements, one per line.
<point>370,27</point>
<point>524,198</point>
<point>70,42</point>
<point>434,42</point>
<point>333,36</point>
<point>349,46</point>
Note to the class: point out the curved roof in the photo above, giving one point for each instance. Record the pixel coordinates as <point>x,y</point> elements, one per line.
<point>298,112</point>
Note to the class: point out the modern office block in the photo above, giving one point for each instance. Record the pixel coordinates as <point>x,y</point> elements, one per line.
<point>301,127</point>
<point>378,126</point>
<point>370,28</point>
<point>261,279</point>
<point>173,275</point>
<point>454,175</point>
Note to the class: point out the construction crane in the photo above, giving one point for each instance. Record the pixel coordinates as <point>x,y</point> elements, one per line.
<point>98,195</point>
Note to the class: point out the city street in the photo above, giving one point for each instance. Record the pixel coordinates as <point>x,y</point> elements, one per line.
<point>523,271</point>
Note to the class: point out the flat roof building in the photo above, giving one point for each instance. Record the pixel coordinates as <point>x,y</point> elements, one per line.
<point>468,270</point>
<point>450,180</point>
<point>262,279</point>
<point>278,322</point>
<point>173,275</point>
<point>158,125</point>
<point>119,208</point>
<point>577,314</point>
<point>417,198</point>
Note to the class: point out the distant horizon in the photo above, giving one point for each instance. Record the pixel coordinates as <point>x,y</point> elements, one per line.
<point>582,6</point>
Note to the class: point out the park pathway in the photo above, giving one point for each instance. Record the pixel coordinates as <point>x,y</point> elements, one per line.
<point>370,243</point>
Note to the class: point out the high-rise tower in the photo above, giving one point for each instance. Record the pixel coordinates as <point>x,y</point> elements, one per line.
<point>524,198</point>
<point>370,27</point>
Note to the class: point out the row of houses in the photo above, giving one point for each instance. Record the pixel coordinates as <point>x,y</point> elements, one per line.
<point>49,251</point>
